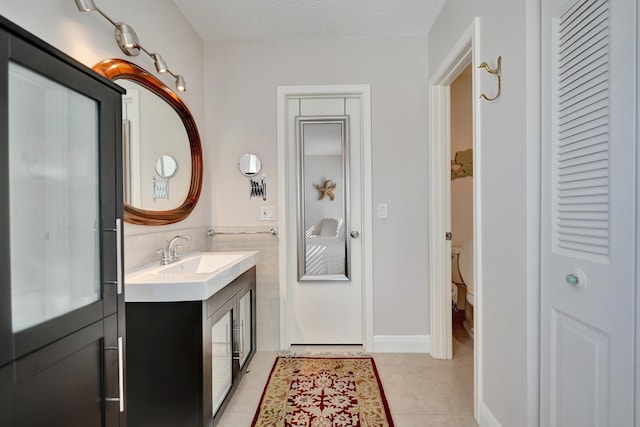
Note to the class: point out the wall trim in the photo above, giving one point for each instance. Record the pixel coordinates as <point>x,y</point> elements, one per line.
<point>534,201</point>
<point>486,417</point>
<point>402,344</point>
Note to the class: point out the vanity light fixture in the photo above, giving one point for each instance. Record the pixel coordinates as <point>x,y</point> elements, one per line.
<point>127,39</point>
<point>129,43</point>
<point>161,66</point>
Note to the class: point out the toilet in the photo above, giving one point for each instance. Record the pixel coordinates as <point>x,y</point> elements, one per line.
<point>458,291</point>
<point>465,266</point>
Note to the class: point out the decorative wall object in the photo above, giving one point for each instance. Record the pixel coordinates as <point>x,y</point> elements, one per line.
<point>326,189</point>
<point>133,78</point>
<point>462,165</point>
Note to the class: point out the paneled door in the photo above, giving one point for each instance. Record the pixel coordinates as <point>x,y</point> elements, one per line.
<point>589,199</point>
<point>325,210</point>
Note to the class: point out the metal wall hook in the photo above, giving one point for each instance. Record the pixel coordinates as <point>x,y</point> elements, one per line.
<point>498,72</point>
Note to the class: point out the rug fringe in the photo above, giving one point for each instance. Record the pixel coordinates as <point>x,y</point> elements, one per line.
<point>325,354</point>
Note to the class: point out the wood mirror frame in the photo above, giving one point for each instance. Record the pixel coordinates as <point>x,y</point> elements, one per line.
<point>114,69</point>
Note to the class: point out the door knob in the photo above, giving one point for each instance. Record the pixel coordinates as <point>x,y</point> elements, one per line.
<point>355,234</point>
<point>577,279</point>
<point>572,279</point>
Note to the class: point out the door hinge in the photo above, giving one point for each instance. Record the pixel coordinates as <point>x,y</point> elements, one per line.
<point>448,235</point>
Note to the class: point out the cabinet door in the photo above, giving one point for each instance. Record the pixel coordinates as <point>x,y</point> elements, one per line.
<point>245,327</point>
<point>60,258</point>
<point>222,354</point>
<point>57,198</point>
<point>63,384</point>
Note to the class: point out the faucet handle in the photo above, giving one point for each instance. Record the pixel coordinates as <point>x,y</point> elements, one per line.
<point>176,254</point>
<point>166,256</point>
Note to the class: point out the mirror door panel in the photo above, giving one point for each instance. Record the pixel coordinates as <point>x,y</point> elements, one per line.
<point>323,198</point>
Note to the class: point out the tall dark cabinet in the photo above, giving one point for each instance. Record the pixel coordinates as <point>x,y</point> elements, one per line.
<point>61,282</point>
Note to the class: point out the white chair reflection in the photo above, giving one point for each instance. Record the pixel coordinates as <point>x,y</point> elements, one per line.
<point>325,248</point>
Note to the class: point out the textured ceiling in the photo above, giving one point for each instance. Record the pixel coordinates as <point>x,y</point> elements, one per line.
<point>227,20</point>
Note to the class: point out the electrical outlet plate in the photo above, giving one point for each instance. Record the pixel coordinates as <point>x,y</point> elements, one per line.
<point>267,213</point>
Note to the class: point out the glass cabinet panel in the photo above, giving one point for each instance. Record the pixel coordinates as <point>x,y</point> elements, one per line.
<point>222,359</point>
<point>245,328</point>
<point>54,198</point>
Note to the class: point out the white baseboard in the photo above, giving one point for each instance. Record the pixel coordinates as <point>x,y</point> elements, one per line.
<point>402,344</point>
<point>486,418</point>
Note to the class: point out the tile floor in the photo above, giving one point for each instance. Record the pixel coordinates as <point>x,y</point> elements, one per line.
<point>421,391</point>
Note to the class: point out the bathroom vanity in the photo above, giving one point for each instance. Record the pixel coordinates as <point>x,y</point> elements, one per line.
<point>191,333</point>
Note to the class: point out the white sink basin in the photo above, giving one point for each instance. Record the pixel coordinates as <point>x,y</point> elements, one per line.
<point>196,277</point>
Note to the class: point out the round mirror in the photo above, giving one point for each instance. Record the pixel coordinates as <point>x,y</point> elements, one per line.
<point>156,125</point>
<point>249,164</point>
<point>166,166</point>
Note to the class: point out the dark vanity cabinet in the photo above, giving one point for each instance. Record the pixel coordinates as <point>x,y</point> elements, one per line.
<point>61,291</point>
<point>184,359</point>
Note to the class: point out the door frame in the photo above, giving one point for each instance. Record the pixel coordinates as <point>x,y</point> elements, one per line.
<point>287,245</point>
<point>465,51</point>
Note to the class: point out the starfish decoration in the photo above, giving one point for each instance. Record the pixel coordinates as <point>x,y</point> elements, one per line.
<point>326,190</point>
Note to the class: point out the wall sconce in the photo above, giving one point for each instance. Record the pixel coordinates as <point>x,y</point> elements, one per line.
<point>250,165</point>
<point>129,43</point>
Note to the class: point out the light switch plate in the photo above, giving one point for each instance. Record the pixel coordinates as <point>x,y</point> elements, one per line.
<point>267,213</point>
<point>382,210</point>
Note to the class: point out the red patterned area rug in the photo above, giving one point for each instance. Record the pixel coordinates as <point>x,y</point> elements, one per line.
<point>323,392</point>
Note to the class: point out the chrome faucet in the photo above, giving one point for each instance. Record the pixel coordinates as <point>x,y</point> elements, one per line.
<point>170,252</point>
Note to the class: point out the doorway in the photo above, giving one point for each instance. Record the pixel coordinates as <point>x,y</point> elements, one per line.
<point>465,52</point>
<point>324,301</point>
<point>461,208</point>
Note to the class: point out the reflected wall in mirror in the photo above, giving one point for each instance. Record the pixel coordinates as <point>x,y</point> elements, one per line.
<point>157,126</point>
<point>323,249</point>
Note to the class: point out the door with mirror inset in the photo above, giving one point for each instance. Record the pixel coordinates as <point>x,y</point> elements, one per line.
<point>325,147</point>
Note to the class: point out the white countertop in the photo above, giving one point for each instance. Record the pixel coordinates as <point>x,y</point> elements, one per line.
<point>180,282</point>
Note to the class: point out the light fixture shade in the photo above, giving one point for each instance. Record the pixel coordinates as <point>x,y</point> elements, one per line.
<point>181,86</point>
<point>127,39</point>
<point>161,66</point>
<point>85,5</point>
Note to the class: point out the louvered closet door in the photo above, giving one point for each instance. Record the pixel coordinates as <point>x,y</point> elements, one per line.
<point>589,196</point>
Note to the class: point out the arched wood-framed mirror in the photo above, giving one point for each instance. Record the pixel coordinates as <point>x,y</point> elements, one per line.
<point>119,69</point>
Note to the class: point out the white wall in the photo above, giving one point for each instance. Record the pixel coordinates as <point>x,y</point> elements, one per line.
<point>502,166</point>
<point>89,38</point>
<point>241,117</point>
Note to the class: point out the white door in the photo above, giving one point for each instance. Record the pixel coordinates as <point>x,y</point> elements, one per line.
<point>323,310</point>
<point>588,212</point>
